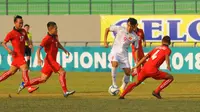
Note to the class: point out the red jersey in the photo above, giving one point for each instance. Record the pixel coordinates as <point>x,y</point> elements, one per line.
<point>140,34</point>
<point>50,44</point>
<point>157,56</point>
<point>17,38</point>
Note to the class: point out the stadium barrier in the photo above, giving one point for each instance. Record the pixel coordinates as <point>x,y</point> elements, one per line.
<point>96,59</point>
<point>61,7</point>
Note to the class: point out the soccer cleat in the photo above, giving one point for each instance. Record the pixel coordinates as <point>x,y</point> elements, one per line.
<point>157,95</point>
<point>69,93</point>
<point>32,89</point>
<point>21,87</point>
<point>121,98</point>
<point>121,90</point>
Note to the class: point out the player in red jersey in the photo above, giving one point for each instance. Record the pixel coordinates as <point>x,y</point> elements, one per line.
<point>140,52</point>
<point>151,68</point>
<point>51,45</point>
<point>17,36</point>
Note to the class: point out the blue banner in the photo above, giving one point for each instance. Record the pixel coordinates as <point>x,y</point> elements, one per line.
<point>96,59</point>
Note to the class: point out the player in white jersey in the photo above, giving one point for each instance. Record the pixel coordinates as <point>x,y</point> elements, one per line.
<point>119,52</point>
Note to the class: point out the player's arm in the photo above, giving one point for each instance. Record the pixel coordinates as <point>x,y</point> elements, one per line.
<point>29,41</point>
<point>168,62</point>
<point>61,47</point>
<point>142,61</point>
<point>106,37</point>
<point>112,28</point>
<point>38,55</point>
<point>136,44</point>
<point>4,43</point>
<point>143,38</point>
<point>44,43</point>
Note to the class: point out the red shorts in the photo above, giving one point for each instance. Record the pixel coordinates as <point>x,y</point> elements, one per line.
<point>151,72</point>
<point>18,61</point>
<point>50,66</point>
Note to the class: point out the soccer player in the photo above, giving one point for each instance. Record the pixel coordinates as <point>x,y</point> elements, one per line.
<point>140,34</point>
<point>17,36</point>
<point>28,48</point>
<point>119,51</point>
<point>151,68</point>
<point>50,43</point>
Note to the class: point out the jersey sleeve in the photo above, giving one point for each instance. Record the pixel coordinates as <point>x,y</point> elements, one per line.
<point>44,42</point>
<point>8,37</point>
<point>115,28</point>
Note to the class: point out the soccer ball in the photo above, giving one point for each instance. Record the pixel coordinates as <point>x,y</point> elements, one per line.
<point>113,90</point>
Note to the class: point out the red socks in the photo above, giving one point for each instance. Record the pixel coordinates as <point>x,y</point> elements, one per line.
<point>129,89</point>
<point>35,81</point>
<point>163,85</point>
<point>5,75</point>
<point>25,77</point>
<point>62,80</point>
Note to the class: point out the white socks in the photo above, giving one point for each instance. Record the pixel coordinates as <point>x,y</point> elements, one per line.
<point>114,74</point>
<point>125,81</point>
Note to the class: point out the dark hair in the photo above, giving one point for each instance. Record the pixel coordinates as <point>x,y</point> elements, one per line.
<point>167,39</point>
<point>26,25</point>
<point>50,24</point>
<point>133,21</point>
<point>17,17</point>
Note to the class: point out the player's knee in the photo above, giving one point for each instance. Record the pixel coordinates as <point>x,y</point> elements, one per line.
<point>169,76</point>
<point>114,64</point>
<point>128,72</point>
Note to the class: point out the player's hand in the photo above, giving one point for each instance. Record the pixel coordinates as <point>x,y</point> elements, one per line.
<point>169,68</point>
<point>30,46</point>
<point>133,69</point>
<point>40,62</point>
<point>105,44</point>
<point>67,53</point>
<point>11,52</point>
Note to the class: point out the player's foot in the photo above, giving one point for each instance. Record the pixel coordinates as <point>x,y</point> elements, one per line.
<point>69,93</point>
<point>121,97</point>
<point>21,87</point>
<point>157,95</point>
<point>121,90</point>
<point>32,89</point>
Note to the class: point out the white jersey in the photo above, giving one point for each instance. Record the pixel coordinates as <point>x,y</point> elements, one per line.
<point>123,40</point>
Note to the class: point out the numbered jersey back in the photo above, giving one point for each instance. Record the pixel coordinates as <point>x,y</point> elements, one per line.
<point>157,56</point>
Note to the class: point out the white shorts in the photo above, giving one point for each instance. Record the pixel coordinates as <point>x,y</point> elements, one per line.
<point>122,60</point>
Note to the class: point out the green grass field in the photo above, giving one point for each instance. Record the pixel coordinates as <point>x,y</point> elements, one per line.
<point>182,96</point>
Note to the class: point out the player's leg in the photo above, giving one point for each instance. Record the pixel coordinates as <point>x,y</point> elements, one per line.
<point>24,68</point>
<point>114,64</point>
<point>125,65</point>
<point>62,79</point>
<point>168,78</point>
<point>140,78</point>
<point>125,80</point>
<point>114,72</point>
<point>46,73</point>
<point>25,77</point>
<point>5,75</point>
